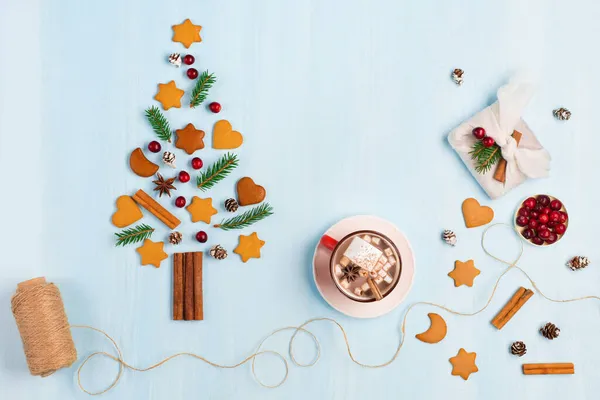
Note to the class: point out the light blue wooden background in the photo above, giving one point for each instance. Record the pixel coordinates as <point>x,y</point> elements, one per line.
<point>345,107</point>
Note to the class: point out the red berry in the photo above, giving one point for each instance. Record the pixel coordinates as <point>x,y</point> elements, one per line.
<point>560,229</point>
<point>154,146</point>
<point>552,225</point>
<point>528,233</point>
<point>201,236</point>
<point>533,223</point>
<point>563,217</point>
<point>544,218</point>
<point>530,203</point>
<point>192,73</point>
<point>542,227</point>
<point>537,240</point>
<point>188,59</point>
<point>197,163</point>
<point>555,204</point>
<point>522,221</point>
<point>487,141</point>
<point>543,200</point>
<point>546,210</point>
<point>538,207</point>
<point>552,238</point>
<point>214,107</point>
<point>523,212</point>
<point>534,215</point>
<point>184,177</point>
<point>544,234</point>
<point>554,216</point>
<point>479,132</point>
<point>180,201</point>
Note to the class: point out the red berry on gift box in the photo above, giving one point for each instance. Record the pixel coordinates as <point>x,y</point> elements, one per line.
<point>479,132</point>
<point>201,236</point>
<point>546,210</point>
<point>192,73</point>
<point>522,221</point>
<point>554,216</point>
<point>184,177</point>
<point>533,223</point>
<point>180,201</point>
<point>555,204</point>
<point>530,203</point>
<point>188,59</point>
<point>552,238</point>
<point>534,215</point>
<point>154,146</point>
<point>560,229</point>
<point>544,218</point>
<point>197,163</point>
<point>528,233</point>
<point>537,240</point>
<point>543,200</point>
<point>563,217</point>
<point>544,234</point>
<point>487,141</point>
<point>524,212</point>
<point>215,107</point>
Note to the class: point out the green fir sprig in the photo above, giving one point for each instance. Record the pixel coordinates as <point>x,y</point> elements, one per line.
<point>134,235</point>
<point>200,91</point>
<point>485,157</point>
<point>217,171</point>
<point>246,219</point>
<point>159,123</point>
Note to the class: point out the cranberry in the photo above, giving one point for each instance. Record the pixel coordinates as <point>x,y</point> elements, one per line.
<point>560,229</point>
<point>180,201</point>
<point>201,236</point>
<point>154,146</point>
<point>215,107</point>
<point>192,73</point>
<point>487,141</point>
<point>533,223</point>
<point>543,200</point>
<point>524,212</point>
<point>538,207</point>
<point>563,217</point>
<point>479,132</point>
<point>555,204</point>
<point>546,210</point>
<point>188,59</point>
<point>530,203</point>
<point>552,225</point>
<point>542,227</point>
<point>534,214</point>
<point>522,221</point>
<point>544,234</point>
<point>552,238</point>
<point>528,233</point>
<point>197,163</point>
<point>554,216</point>
<point>537,240</point>
<point>184,177</point>
<point>544,219</point>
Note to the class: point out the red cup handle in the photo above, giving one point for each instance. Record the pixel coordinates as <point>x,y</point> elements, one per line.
<point>328,242</point>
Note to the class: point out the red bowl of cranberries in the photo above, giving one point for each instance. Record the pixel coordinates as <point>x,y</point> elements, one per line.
<point>542,220</point>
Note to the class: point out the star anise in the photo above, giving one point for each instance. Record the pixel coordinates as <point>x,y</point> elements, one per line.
<point>350,272</point>
<point>164,186</point>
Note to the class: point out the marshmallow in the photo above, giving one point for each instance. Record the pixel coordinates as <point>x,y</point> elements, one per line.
<point>365,287</point>
<point>388,279</point>
<point>392,260</point>
<point>345,284</point>
<point>362,254</point>
<point>358,291</point>
<point>344,261</point>
<point>389,252</point>
<point>383,259</point>
<point>338,270</point>
<point>367,238</point>
<point>378,280</point>
<point>375,240</point>
<point>382,273</point>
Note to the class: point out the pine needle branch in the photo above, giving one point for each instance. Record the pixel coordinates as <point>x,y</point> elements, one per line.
<point>159,123</point>
<point>200,91</point>
<point>217,171</point>
<point>246,219</point>
<point>485,157</point>
<point>134,235</point>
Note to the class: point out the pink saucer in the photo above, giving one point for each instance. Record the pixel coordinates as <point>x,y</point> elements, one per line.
<point>327,287</point>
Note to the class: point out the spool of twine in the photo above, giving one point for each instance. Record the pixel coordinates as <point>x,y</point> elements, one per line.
<point>40,315</point>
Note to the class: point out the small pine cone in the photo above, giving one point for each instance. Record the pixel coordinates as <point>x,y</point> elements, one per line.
<point>218,252</point>
<point>449,237</point>
<point>578,262</point>
<point>562,114</point>
<point>231,205</point>
<point>550,331</point>
<point>169,159</point>
<point>175,59</point>
<point>175,237</point>
<point>518,349</point>
<point>457,76</point>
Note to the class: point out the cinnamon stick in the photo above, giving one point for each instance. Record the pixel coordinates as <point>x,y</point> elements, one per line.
<point>198,303</point>
<point>178,286</point>
<point>144,200</point>
<point>510,309</point>
<point>500,174</point>
<point>374,289</point>
<point>549,369</point>
<point>188,290</point>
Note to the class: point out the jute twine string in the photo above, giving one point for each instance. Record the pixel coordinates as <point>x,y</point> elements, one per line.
<point>46,357</point>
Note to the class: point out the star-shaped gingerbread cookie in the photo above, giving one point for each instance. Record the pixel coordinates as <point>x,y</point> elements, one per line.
<point>189,139</point>
<point>186,33</point>
<point>169,95</point>
<point>463,364</point>
<point>201,209</point>
<point>249,247</point>
<point>464,273</point>
<point>152,253</point>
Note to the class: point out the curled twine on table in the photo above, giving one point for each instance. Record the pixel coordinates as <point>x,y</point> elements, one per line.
<point>302,328</point>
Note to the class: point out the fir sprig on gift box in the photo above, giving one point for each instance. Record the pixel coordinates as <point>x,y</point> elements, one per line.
<point>246,219</point>
<point>217,171</point>
<point>200,92</point>
<point>134,235</point>
<point>485,157</point>
<point>159,123</point>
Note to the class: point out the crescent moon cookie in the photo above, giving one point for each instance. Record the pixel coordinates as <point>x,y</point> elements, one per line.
<point>249,193</point>
<point>169,95</point>
<point>190,139</point>
<point>437,330</point>
<point>475,214</point>
<point>141,165</point>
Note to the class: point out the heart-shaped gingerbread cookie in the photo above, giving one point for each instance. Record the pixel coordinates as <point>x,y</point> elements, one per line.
<point>224,137</point>
<point>127,212</point>
<point>475,214</point>
<point>249,192</point>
